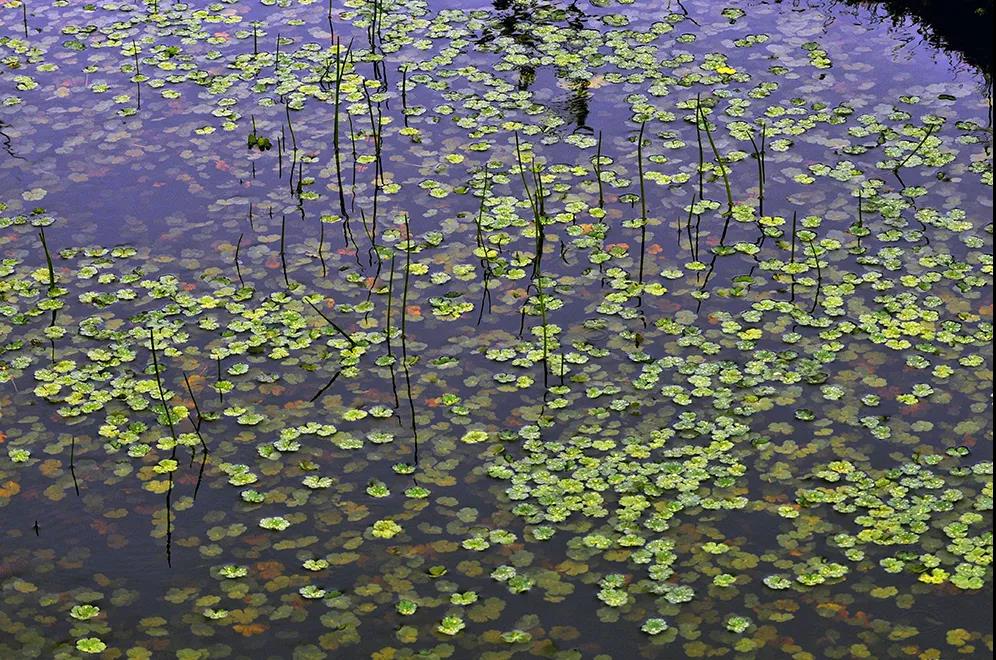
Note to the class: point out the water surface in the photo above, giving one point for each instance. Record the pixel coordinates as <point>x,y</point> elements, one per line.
<point>568,330</point>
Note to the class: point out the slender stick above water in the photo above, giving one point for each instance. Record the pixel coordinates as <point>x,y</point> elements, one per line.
<point>404,337</point>
<point>598,171</point>
<point>404,93</point>
<point>48,260</point>
<point>387,327</point>
<point>325,387</point>
<point>197,408</point>
<point>159,384</point>
<point>218,379</point>
<point>643,199</point>
<point>276,56</point>
<point>332,323</point>
<point>340,71</point>
<point>238,269</point>
<point>522,174</point>
<point>138,81</point>
<point>72,465</point>
<point>290,129</point>
<point>759,157</point>
<point>722,170</point>
<point>283,254</point>
<point>819,277</point>
<point>693,247</point>
<point>792,257</point>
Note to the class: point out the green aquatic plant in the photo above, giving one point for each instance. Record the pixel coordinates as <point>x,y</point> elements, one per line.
<point>406,607</point>
<point>275,523</point>
<point>654,626</point>
<point>738,624</point>
<point>451,625</point>
<point>84,612</point>
<point>90,645</point>
<point>256,141</point>
<point>385,529</point>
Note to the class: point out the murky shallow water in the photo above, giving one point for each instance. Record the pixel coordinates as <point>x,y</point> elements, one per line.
<point>760,428</point>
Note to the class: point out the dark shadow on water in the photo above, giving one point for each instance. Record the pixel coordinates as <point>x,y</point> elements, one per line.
<point>962,27</point>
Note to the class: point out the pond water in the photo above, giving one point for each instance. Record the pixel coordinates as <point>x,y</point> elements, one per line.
<point>455,330</point>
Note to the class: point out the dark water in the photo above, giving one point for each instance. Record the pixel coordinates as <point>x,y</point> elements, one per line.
<point>961,28</point>
<point>701,437</point>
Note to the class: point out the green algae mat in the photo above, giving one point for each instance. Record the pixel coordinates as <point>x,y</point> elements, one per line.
<point>393,328</point>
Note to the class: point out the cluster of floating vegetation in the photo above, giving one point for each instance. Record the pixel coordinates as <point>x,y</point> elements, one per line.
<point>472,379</point>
